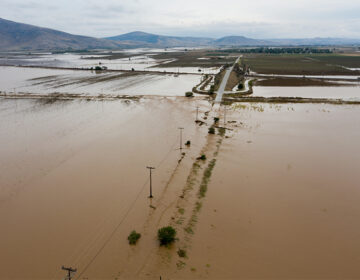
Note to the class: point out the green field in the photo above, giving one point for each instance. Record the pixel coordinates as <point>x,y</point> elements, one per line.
<point>302,64</point>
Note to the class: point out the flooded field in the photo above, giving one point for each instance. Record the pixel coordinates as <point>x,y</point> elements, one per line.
<point>72,172</point>
<point>281,199</point>
<point>46,81</point>
<point>346,93</point>
<point>137,59</point>
<point>269,192</point>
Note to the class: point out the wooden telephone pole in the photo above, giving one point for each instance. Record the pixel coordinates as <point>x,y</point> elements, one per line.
<point>69,270</point>
<point>181,129</point>
<point>150,168</point>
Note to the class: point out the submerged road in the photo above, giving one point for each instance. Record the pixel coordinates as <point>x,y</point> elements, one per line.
<point>224,81</point>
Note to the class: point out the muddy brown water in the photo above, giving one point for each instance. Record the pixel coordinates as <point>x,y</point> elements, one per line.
<point>348,93</point>
<point>282,201</point>
<point>48,81</point>
<point>70,172</point>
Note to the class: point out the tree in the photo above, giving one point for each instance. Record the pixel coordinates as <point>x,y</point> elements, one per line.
<point>166,235</point>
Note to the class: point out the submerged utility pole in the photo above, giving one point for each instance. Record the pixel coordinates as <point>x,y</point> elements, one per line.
<point>69,270</point>
<point>197,113</point>
<point>224,115</point>
<point>150,168</point>
<point>181,129</point>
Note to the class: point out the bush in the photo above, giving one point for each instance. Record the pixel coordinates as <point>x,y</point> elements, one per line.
<point>216,119</point>
<point>181,253</point>
<point>202,157</point>
<point>188,143</point>
<point>240,86</point>
<point>133,237</point>
<point>166,235</point>
<point>98,68</point>
<point>211,130</point>
<point>189,94</point>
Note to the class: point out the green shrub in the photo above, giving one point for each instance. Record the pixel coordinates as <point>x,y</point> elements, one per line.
<point>181,253</point>
<point>202,157</point>
<point>189,94</point>
<point>133,237</point>
<point>166,235</point>
<point>211,130</point>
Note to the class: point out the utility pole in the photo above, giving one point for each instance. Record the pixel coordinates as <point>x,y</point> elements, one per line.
<point>69,270</point>
<point>224,115</point>
<point>150,168</point>
<point>197,113</point>
<point>181,129</point>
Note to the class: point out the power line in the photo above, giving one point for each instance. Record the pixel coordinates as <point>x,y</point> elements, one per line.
<point>69,270</point>
<point>122,220</point>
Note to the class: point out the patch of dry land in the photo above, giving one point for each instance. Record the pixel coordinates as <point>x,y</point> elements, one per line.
<point>276,195</point>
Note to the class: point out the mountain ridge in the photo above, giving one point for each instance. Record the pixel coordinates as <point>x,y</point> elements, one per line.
<point>20,36</point>
<point>16,36</point>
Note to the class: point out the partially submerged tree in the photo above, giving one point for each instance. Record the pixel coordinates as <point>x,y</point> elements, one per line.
<point>133,237</point>
<point>166,235</point>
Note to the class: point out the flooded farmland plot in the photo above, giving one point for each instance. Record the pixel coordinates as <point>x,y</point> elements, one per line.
<point>72,171</point>
<point>46,81</point>
<point>139,60</point>
<point>260,190</point>
<point>346,93</point>
<point>283,198</point>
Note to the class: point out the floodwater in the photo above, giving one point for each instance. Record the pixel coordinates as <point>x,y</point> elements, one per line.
<point>46,81</point>
<point>73,178</point>
<point>139,61</point>
<point>333,77</point>
<point>283,201</point>
<point>346,93</point>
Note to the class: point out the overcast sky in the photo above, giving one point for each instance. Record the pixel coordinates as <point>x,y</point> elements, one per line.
<point>252,18</point>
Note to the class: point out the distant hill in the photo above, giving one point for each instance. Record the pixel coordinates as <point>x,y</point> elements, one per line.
<point>19,36</point>
<point>153,40</point>
<point>142,39</point>
<point>25,37</point>
<point>316,41</point>
<point>240,41</point>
